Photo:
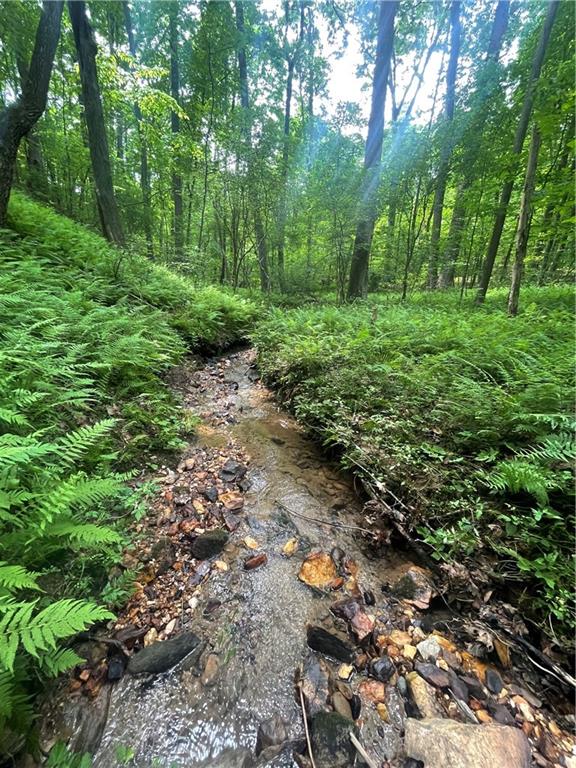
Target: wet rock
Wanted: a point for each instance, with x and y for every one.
(458, 687)
(210, 670)
(437, 677)
(199, 574)
(415, 587)
(331, 745)
(116, 668)
(362, 624)
(255, 561)
(315, 684)
(429, 649)
(231, 521)
(355, 706)
(345, 609)
(232, 470)
(318, 570)
(493, 681)
(162, 656)
(372, 690)
(211, 493)
(501, 714)
(369, 597)
(345, 671)
(474, 686)
(232, 501)
(338, 555)
(329, 644)
(342, 705)
(382, 669)
(423, 696)
(271, 732)
(448, 744)
(209, 544)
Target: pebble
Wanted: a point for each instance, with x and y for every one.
(210, 670)
(382, 710)
(433, 675)
(429, 649)
(341, 705)
(345, 671)
(250, 563)
(382, 669)
(493, 681)
(409, 652)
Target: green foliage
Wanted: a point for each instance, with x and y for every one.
(85, 335)
(464, 414)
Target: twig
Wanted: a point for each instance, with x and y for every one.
(308, 742)
(323, 522)
(363, 754)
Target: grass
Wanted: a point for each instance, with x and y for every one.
(465, 414)
(86, 334)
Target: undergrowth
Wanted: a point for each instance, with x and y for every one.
(86, 333)
(466, 415)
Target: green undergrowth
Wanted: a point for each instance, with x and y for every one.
(86, 333)
(464, 414)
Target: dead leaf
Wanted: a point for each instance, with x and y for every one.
(503, 652)
(318, 570)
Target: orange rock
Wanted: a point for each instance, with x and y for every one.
(372, 690)
(443, 642)
(472, 664)
(483, 716)
(318, 570)
(400, 638)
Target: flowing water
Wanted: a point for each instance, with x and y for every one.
(259, 631)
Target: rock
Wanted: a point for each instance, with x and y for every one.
(330, 736)
(164, 553)
(429, 649)
(369, 597)
(271, 732)
(211, 493)
(209, 544)
(231, 521)
(341, 705)
(458, 688)
(116, 668)
(439, 678)
(250, 563)
(319, 639)
(232, 470)
(315, 683)
(232, 500)
(290, 547)
(493, 681)
(448, 744)
(382, 669)
(415, 587)
(162, 656)
(423, 695)
(372, 690)
(409, 652)
(362, 624)
(475, 687)
(210, 670)
(345, 609)
(318, 570)
(345, 671)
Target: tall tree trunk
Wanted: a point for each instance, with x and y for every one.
(446, 152)
(521, 129)
(524, 217)
(17, 119)
(36, 179)
(486, 86)
(282, 208)
(178, 231)
(358, 280)
(259, 232)
(97, 138)
(143, 147)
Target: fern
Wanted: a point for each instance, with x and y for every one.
(14, 577)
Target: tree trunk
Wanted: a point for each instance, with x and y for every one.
(487, 83)
(18, 118)
(282, 208)
(178, 231)
(519, 137)
(446, 152)
(144, 170)
(259, 232)
(36, 179)
(97, 138)
(523, 229)
(358, 280)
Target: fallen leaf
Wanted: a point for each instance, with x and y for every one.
(318, 570)
(503, 652)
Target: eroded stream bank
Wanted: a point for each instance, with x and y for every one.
(254, 475)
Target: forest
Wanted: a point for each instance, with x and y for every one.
(377, 199)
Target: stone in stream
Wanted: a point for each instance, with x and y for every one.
(429, 649)
(458, 687)
(209, 544)
(433, 674)
(342, 705)
(319, 639)
(232, 470)
(330, 736)
(449, 744)
(162, 656)
(423, 696)
(415, 587)
(271, 733)
(382, 669)
(315, 684)
(493, 681)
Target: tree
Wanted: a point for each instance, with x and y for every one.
(18, 118)
(358, 281)
(177, 228)
(97, 137)
(524, 218)
(520, 135)
(446, 152)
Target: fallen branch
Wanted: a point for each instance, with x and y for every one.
(323, 522)
(362, 752)
(306, 731)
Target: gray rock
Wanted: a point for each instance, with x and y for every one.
(272, 732)
(429, 649)
(162, 656)
(448, 744)
(493, 681)
(416, 587)
(331, 745)
(382, 669)
(209, 544)
(342, 705)
(315, 681)
(232, 470)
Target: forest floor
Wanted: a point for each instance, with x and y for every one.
(259, 572)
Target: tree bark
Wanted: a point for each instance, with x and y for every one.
(17, 119)
(259, 231)
(520, 135)
(97, 138)
(524, 217)
(446, 152)
(178, 232)
(487, 83)
(143, 147)
(358, 280)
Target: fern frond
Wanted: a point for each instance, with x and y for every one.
(16, 577)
